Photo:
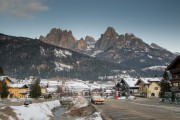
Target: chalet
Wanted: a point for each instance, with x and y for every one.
(174, 69)
(149, 87)
(18, 90)
(129, 87)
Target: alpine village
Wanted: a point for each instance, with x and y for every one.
(60, 77)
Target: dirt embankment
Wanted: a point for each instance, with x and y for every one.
(80, 108)
(82, 112)
(6, 112)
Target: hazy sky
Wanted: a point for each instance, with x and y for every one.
(154, 21)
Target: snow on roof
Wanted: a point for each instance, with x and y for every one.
(148, 80)
(50, 83)
(3, 77)
(76, 85)
(130, 81)
(18, 85)
(14, 80)
(51, 89)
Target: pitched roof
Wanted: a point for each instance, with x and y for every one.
(148, 80)
(18, 85)
(4, 77)
(173, 63)
(131, 82)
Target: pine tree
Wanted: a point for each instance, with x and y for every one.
(35, 90)
(164, 84)
(165, 76)
(5, 91)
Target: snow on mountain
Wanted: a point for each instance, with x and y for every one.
(42, 51)
(150, 56)
(155, 68)
(96, 52)
(60, 67)
(62, 53)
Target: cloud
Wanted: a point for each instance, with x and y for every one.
(22, 8)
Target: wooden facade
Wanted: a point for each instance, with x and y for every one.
(174, 69)
(18, 91)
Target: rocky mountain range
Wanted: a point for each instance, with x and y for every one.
(59, 53)
(22, 57)
(123, 49)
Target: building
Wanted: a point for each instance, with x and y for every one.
(18, 90)
(6, 80)
(174, 69)
(149, 87)
(129, 87)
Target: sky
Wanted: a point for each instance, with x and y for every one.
(154, 21)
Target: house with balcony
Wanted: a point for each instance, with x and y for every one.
(174, 69)
(18, 90)
(149, 87)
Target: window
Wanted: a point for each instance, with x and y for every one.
(155, 88)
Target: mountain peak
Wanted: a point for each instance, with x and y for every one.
(107, 39)
(129, 36)
(110, 32)
(81, 45)
(58, 37)
(56, 30)
(89, 39)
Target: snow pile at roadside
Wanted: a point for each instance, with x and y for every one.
(131, 98)
(95, 116)
(79, 102)
(36, 111)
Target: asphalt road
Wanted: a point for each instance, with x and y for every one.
(143, 109)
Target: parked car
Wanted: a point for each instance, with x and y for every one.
(97, 99)
(27, 102)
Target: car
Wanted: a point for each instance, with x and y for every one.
(27, 102)
(97, 99)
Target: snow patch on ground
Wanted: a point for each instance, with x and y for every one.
(95, 116)
(36, 111)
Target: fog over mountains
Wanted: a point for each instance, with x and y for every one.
(60, 54)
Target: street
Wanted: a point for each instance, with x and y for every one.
(140, 109)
